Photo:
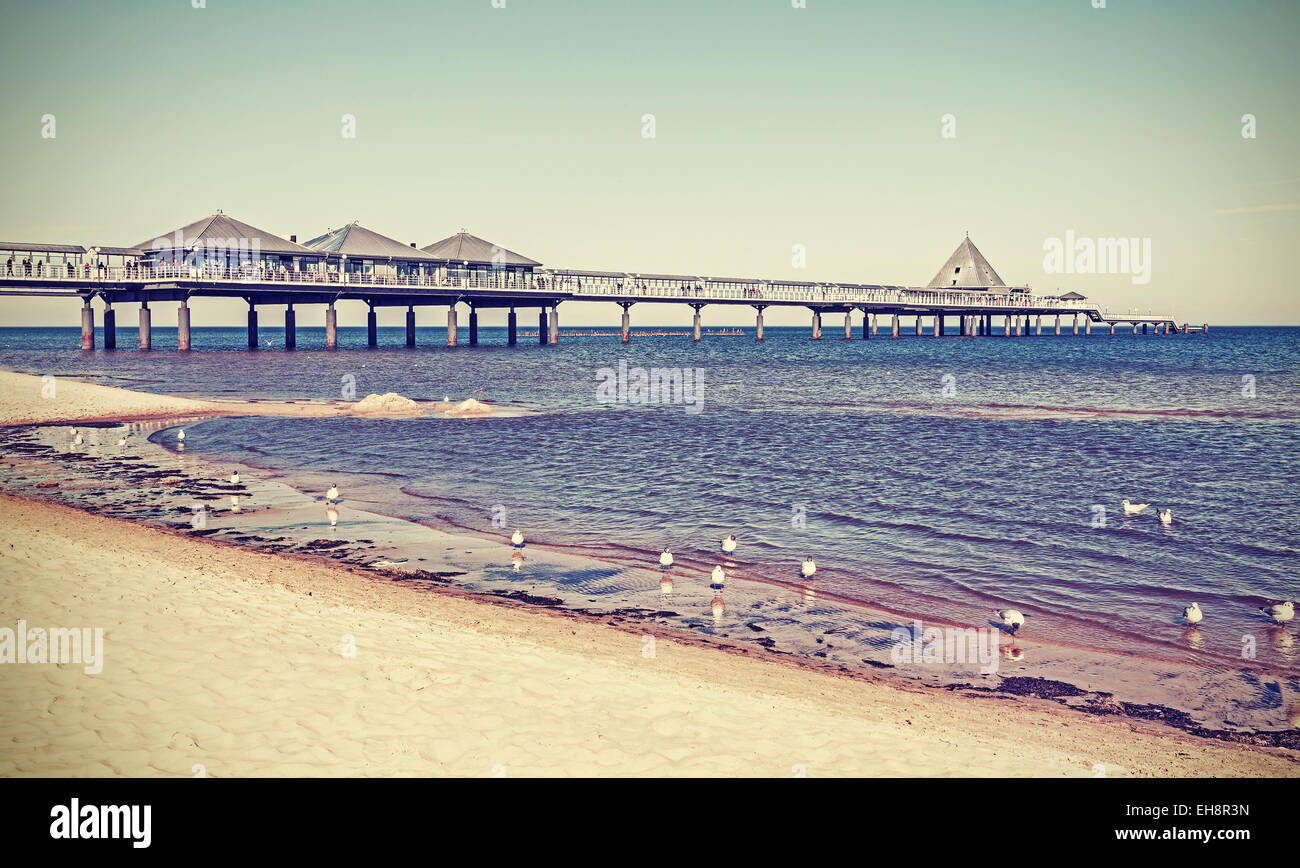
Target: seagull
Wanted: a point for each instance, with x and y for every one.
(1192, 614)
(808, 568)
(518, 539)
(729, 544)
(1280, 612)
(333, 494)
(719, 576)
(1012, 619)
(1167, 517)
(77, 441)
(72, 432)
(234, 478)
(121, 441)
(180, 435)
(666, 559)
(1133, 508)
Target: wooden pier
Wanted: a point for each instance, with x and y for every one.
(290, 276)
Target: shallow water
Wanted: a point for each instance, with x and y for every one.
(935, 479)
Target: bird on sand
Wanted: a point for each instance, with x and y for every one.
(1193, 614)
(1012, 619)
(1133, 508)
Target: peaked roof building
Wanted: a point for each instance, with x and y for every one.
(463, 247)
(356, 241)
(966, 269)
(219, 230)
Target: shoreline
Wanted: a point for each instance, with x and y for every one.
(1036, 692)
(739, 712)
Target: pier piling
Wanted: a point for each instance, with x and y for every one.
(875, 325)
(252, 326)
(410, 325)
(183, 326)
(894, 333)
(473, 326)
(555, 324)
(290, 328)
(697, 320)
(110, 328)
(146, 333)
(1076, 325)
(87, 326)
(627, 323)
(938, 325)
(512, 328)
(331, 327)
(372, 328)
(541, 327)
(453, 333)
(759, 321)
(848, 325)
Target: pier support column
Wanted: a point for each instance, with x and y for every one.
(1135, 329)
(110, 328)
(410, 326)
(1058, 325)
(87, 326)
(372, 328)
(146, 321)
(1076, 325)
(1038, 326)
(626, 335)
(453, 333)
(1087, 327)
(512, 328)
(252, 327)
(555, 325)
(331, 328)
(918, 325)
(1144, 328)
(938, 325)
(760, 323)
(1112, 330)
(696, 332)
(1006, 327)
(290, 328)
(541, 327)
(473, 326)
(893, 336)
(875, 324)
(183, 326)
(866, 325)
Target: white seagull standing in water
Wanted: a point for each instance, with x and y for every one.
(1192, 614)
(1012, 619)
(1133, 508)
(1167, 517)
(234, 478)
(180, 435)
(77, 441)
(729, 544)
(807, 568)
(719, 576)
(1280, 612)
(518, 539)
(121, 441)
(333, 494)
(666, 559)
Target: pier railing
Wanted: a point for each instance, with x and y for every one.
(77, 277)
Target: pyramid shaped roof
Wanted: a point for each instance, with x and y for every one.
(355, 240)
(463, 247)
(222, 229)
(966, 269)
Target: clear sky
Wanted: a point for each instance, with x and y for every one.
(775, 126)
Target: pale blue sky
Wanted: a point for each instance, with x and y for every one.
(775, 126)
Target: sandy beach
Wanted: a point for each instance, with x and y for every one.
(223, 661)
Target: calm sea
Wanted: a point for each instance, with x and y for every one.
(933, 478)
